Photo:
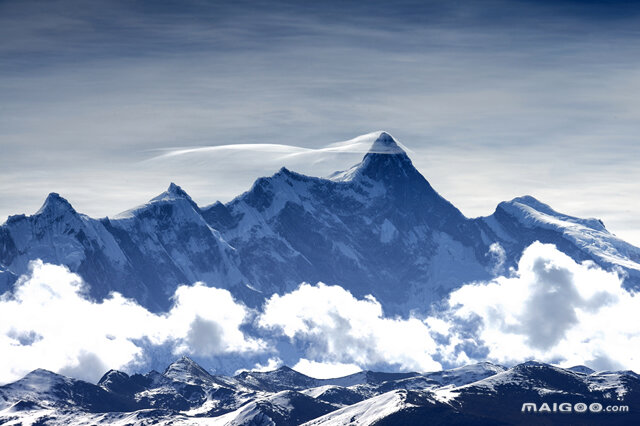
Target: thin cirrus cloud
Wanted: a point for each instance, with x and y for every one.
(480, 92)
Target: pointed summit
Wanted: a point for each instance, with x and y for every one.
(387, 161)
(175, 189)
(187, 370)
(112, 376)
(183, 363)
(385, 144)
(55, 205)
(386, 158)
(174, 192)
(174, 195)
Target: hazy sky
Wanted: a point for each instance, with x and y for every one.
(495, 99)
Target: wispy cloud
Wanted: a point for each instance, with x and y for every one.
(479, 91)
(359, 145)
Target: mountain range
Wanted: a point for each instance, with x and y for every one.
(377, 228)
(480, 394)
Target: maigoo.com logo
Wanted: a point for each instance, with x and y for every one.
(566, 407)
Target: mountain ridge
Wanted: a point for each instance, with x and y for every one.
(379, 223)
(481, 393)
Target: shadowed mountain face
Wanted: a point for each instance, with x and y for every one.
(378, 228)
(185, 393)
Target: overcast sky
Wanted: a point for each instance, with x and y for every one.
(495, 99)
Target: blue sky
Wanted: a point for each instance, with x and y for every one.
(496, 99)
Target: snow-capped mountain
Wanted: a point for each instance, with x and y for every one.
(378, 228)
(187, 394)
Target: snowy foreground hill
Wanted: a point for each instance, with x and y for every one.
(480, 394)
(378, 228)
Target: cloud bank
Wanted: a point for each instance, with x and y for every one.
(336, 327)
(49, 323)
(550, 308)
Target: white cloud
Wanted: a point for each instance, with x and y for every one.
(205, 321)
(359, 145)
(552, 309)
(498, 256)
(335, 327)
(48, 323)
(271, 364)
(325, 370)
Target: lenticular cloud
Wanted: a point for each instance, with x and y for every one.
(49, 323)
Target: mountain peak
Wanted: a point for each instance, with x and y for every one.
(174, 192)
(112, 375)
(56, 205)
(187, 370)
(385, 144)
(531, 201)
(175, 189)
(285, 368)
(174, 195)
(41, 372)
(386, 161)
(530, 210)
(183, 361)
(386, 158)
(583, 369)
